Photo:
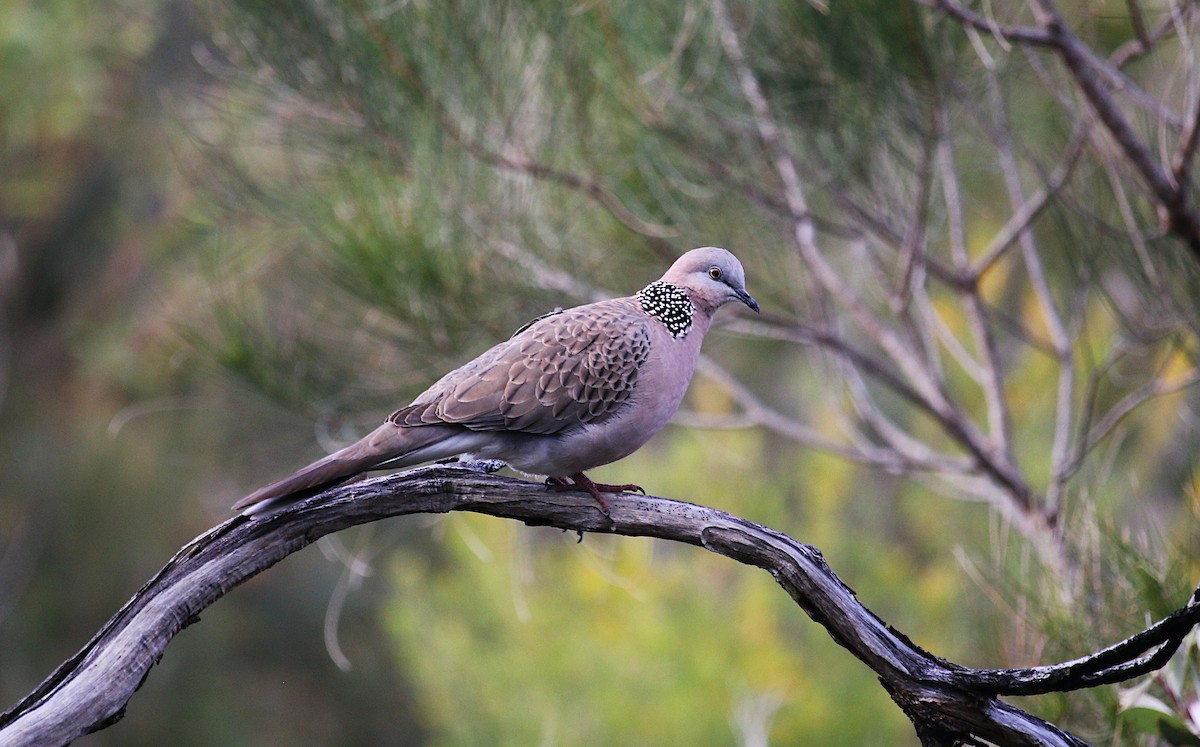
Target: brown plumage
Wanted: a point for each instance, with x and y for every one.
(566, 369)
(571, 391)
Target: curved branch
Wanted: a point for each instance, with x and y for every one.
(947, 703)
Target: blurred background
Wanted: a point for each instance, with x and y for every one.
(236, 235)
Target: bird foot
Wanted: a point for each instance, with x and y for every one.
(580, 481)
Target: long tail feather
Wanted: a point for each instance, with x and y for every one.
(322, 474)
(389, 443)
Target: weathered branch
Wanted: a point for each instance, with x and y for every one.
(947, 703)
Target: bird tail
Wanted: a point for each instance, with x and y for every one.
(390, 444)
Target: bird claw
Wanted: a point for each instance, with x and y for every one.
(580, 481)
(627, 488)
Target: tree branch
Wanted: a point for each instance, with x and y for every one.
(947, 703)
(1181, 217)
(1006, 33)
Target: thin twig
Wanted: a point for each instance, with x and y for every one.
(1056, 328)
(1021, 34)
(1138, 47)
(990, 374)
(1138, 21)
(1155, 387)
(1187, 152)
(584, 183)
(1023, 216)
(912, 252)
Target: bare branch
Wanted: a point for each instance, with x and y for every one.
(922, 379)
(913, 450)
(987, 371)
(1181, 216)
(1056, 328)
(1137, 47)
(912, 252)
(920, 375)
(1139, 654)
(585, 183)
(1023, 215)
(913, 456)
(947, 703)
(755, 412)
(1092, 434)
(1187, 152)
(1023, 34)
(953, 422)
(1035, 37)
(1138, 21)
(1133, 231)
(545, 275)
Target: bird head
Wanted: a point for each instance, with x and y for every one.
(712, 277)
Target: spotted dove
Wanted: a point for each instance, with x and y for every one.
(572, 390)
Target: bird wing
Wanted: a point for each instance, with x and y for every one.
(577, 366)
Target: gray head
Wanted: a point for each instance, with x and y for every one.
(712, 277)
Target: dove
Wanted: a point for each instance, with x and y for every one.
(570, 391)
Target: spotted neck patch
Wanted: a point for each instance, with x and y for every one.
(668, 304)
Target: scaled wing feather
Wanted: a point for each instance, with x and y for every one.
(574, 367)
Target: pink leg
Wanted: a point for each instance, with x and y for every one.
(580, 481)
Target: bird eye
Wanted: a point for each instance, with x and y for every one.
(714, 273)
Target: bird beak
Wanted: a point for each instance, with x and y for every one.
(745, 298)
